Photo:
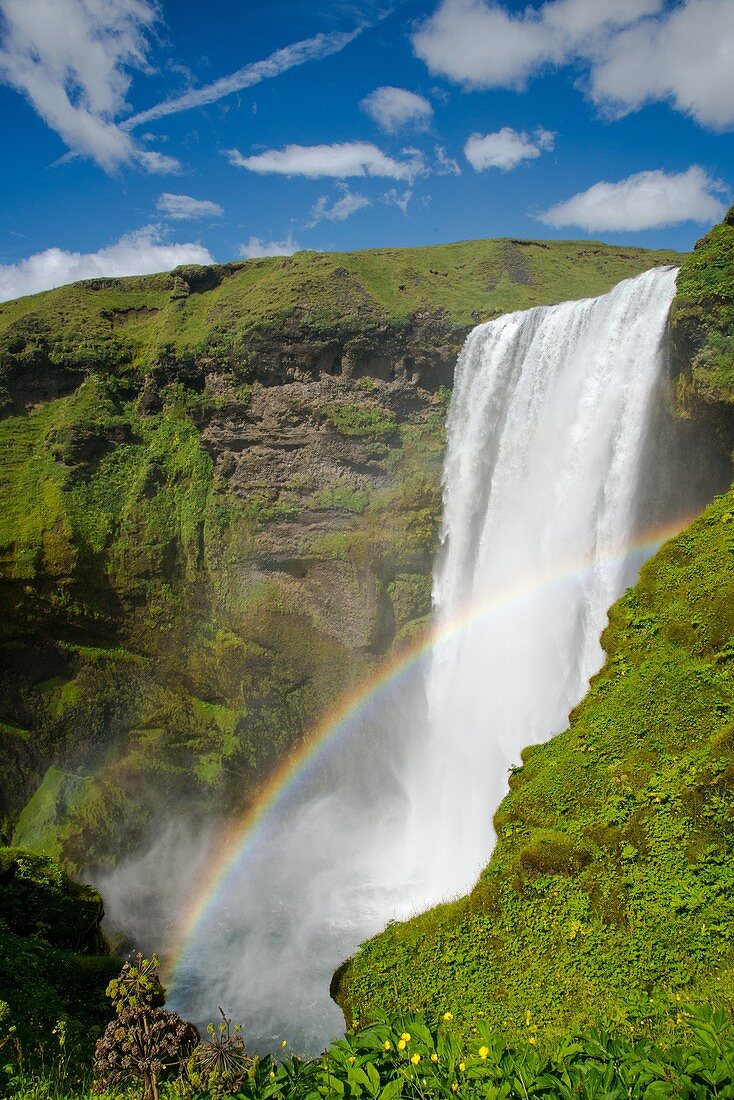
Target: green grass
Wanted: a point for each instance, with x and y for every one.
(122, 325)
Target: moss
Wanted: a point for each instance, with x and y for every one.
(361, 421)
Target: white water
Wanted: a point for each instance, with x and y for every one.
(546, 437)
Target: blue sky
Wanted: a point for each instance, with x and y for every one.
(140, 135)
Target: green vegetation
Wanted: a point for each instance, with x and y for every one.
(166, 321)
(391, 1058)
(54, 964)
(703, 317)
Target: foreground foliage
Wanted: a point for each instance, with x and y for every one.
(404, 1057)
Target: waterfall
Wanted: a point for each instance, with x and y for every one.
(548, 433)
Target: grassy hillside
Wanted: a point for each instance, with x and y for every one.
(610, 892)
(219, 499)
(105, 323)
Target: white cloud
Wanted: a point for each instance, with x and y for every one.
(394, 198)
(337, 210)
(71, 59)
(634, 51)
(340, 160)
(506, 148)
(257, 248)
(646, 200)
(687, 58)
(298, 53)
(445, 165)
(181, 207)
(140, 253)
(393, 108)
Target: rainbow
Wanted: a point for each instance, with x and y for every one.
(239, 838)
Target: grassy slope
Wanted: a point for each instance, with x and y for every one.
(115, 319)
(613, 874)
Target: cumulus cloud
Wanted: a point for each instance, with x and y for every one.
(182, 207)
(256, 248)
(634, 51)
(646, 200)
(394, 108)
(140, 253)
(72, 59)
(340, 160)
(337, 210)
(686, 58)
(506, 148)
(298, 53)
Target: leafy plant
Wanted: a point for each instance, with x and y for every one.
(144, 1041)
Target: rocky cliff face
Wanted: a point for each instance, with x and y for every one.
(219, 507)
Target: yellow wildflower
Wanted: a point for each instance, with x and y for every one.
(415, 1059)
(462, 1066)
(434, 1057)
(405, 1036)
(284, 1043)
(401, 1044)
(448, 1016)
(351, 1060)
(532, 1040)
(454, 1087)
(387, 1045)
(483, 1052)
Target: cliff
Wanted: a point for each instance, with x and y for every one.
(218, 507)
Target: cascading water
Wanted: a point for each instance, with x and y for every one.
(546, 437)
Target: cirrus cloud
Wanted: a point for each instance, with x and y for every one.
(646, 200)
(395, 108)
(142, 252)
(339, 161)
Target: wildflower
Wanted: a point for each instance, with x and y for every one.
(401, 1044)
(434, 1057)
(448, 1016)
(405, 1036)
(415, 1059)
(532, 1040)
(454, 1087)
(387, 1045)
(351, 1060)
(462, 1066)
(284, 1043)
(483, 1052)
